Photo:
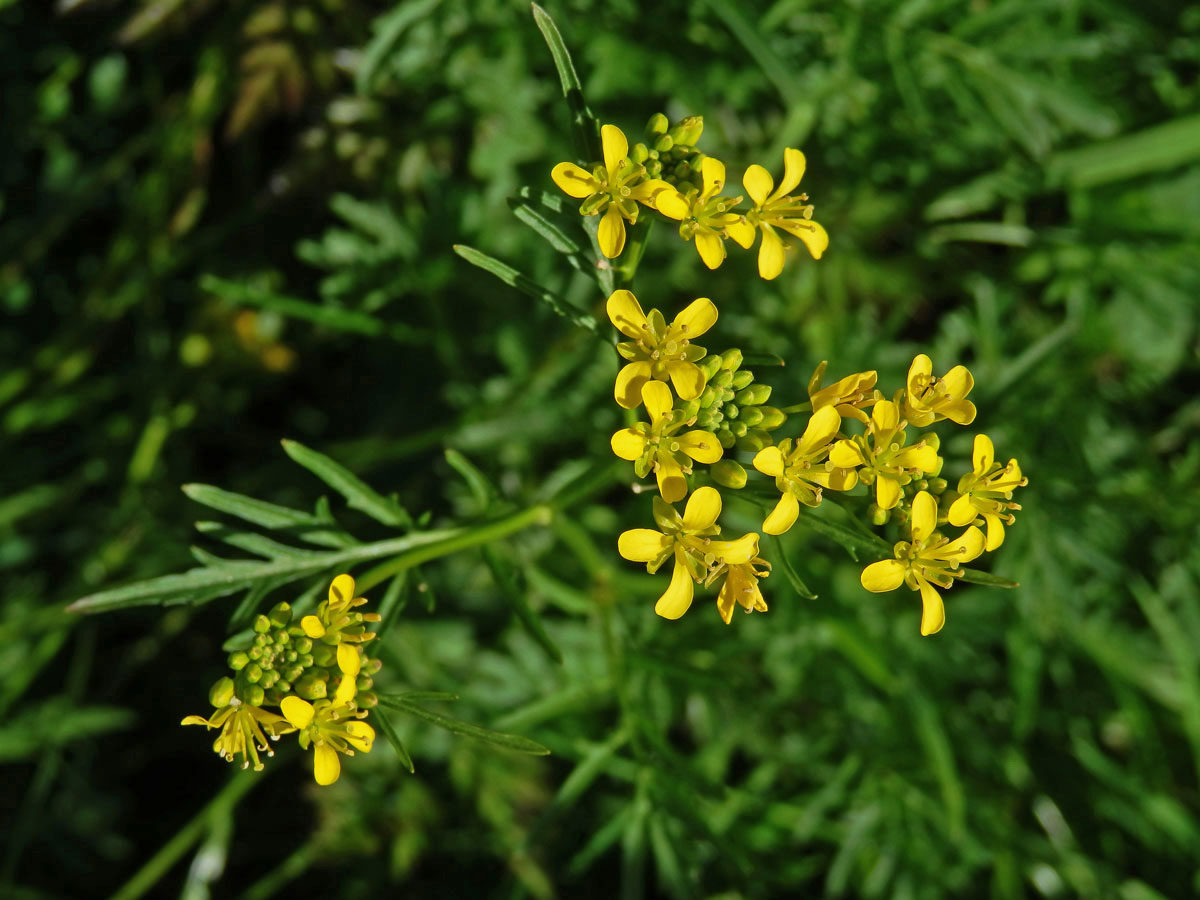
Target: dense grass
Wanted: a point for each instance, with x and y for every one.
(223, 224)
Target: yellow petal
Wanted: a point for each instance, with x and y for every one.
(616, 148)
(962, 512)
(611, 236)
(712, 174)
(574, 181)
(672, 485)
(958, 381)
(725, 602)
(678, 596)
(628, 444)
(924, 515)
(983, 454)
(742, 232)
(846, 455)
(347, 689)
(823, 425)
(964, 548)
(769, 461)
(793, 171)
(711, 248)
(672, 204)
(699, 316)
(312, 627)
(887, 493)
(645, 191)
(626, 313)
(326, 765)
(702, 446)
(360, 735)
(924, 458)
(921, 369)
(770, 254)
(811, 234)
(297, 711)
(995, 531)
(631, 378)
(885, 575)
(658, 399)
(836, 479)
(758, 184)
(783, 516)
(687, 378)
(348, 659)
(642, 544)
(342, 589)
(702, 509)
(196, 720)
(933, 613)
(960, 412)
(738, 552)
(885, 416)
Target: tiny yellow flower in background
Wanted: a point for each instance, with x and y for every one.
(655, 446)
(741, 587)
(881, 457)
(686, 539)
(244, 730)
(987, 491)
(929, 562)
(613, 188)
(703, 215)
(929, 399)
(659, 351)
(776, 209)
(802, 472)
(849, 395)
(336, 620)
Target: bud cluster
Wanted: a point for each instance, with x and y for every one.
(669, 151)
(733, 406)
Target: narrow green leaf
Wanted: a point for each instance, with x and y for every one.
(1165, 146)
(394, 599)
(358, 494)
(268, 515)
(976, 576)
(508, 741)
(389, 732)
(854, 542)
(780, 557)
(585, 129)
(388, 28)
(778, 72)
(427, 696)
(481, 487)
(512, 586)
(252, 542)
(554, 235)
(513, 278)
(758, 360)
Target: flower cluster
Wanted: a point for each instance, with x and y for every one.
(671, 176)
(318, 675)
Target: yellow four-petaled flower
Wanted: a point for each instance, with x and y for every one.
(987, 491)
(659, 351)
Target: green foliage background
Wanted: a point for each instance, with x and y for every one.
(223, 224)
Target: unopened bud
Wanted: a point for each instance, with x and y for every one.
(366, 701)
(710, 364)
(303, 645)
(725, 436)
(262, 624)
(753, 441)
(311, 687)
(657, 124)
(937, 486)
(741, 379)
(221, 692)
(324, 655)
(281, 615)
(253, 695)
(252, 673)
(238, 660)
(664, 143)
(878, 515)
(688, 130)
(752, 416)
(728, 473)
(754, 395)
(731, 359)
(772, 417)
(640, 153)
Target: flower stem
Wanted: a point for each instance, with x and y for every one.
(635, 246)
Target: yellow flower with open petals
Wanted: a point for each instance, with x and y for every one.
(244, 731)
(659, 351)
(925, 564)
(881, 457)
(704, 216)
(801, 472)
(332, 727)
(741, 587)
(849, 395)
(336, 619)
(929, 399)
(776, 209)
(987, 492)
(614, 188)
(688, 540)
(656, 446)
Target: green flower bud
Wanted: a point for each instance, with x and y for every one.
(254, 695)
(324, 655)
(640, 153)
(262, 624)
(754, 394)
(293, 673)
(664, 143)
(303, 644)
(725, 436)
(238, 660)
(281, 615)
(683, 171)
(366, 701)
(261, 640)
(283, 686)
(255, 653)
(282, 638)
(932, 440)
(741, 379)
(311, 687)
(291, 656)
(722, 378)
(305, 660)
(728, 473)
(252, 673)
(364, 683)
(937, 486)
(221, 692)
(372, 666)
(752, 416)
(753, 441)
(688, 130)
(772, 417)
(739, 429)
(878, 516)
(657, 124)
(269, 679)
(731, 359)
(653, 168)
(710, 364)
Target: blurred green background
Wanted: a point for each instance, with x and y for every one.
(223, 224)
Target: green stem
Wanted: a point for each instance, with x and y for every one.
(159, 864)
(635, 246)
(806, 406)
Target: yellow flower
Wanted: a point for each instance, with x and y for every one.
(614, 188)
(929, 399)
(655, 446)
(336, 620)
(332, 727)
(802, 472)
(741, 587)
(881, 457)
(705, 216)
(849, 395)
(929, 562)
(659, 351)
(244, 731)
(687, 540)
(987, 491)
(775, 209)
